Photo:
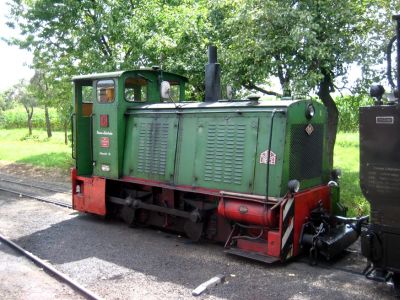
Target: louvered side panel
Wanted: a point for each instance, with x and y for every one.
(151, 153)
(153, 146)
(225, 153)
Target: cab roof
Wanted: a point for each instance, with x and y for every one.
(117, 74)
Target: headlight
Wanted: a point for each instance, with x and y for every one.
(294, 186)
(310, 111)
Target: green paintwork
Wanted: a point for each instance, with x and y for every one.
(90, 156)
(214, 145)
(218, 145)
(81, 134)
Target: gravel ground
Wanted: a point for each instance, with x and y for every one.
(118, 262)
(21, 279)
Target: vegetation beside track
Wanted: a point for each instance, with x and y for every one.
(347, 159)
(16, 118)
(18, 147)
(38, 150)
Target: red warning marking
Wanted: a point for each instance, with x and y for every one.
(105, 142)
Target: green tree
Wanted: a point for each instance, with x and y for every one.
(87, 36)
(62, 99)
(41, 89)
(21, 93)
(307, 45)
(5, 100)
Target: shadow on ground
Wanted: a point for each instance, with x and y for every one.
(169, 258)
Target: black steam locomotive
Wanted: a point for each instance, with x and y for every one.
(380, 178)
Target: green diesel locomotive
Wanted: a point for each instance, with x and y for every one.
(251, 174)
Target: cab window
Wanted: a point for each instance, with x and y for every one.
(175, 91)
(135, 89)
(105, 91)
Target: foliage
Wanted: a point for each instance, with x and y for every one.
(347, 159)
(308, 45)
(16, 118)
(72, 37)
(21, 93)
(348, 111)
(5, 100)
(41, 89)
(295, 41)
(373, 62)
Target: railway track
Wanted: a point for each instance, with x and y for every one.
(61, 277)
(20, 182)
(31, 194)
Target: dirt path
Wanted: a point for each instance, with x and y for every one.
(35, 172)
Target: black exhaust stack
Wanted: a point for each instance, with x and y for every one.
(212, 76)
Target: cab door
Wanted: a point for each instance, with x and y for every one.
(82, 128)
(104, 129)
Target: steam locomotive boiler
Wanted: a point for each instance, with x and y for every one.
(251, 174)
(380, 178)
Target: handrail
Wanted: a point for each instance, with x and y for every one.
(91, 137)
(73, 136)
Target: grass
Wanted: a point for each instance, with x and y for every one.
(17, 146)
(347, 159)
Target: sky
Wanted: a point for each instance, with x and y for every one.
(14, 62)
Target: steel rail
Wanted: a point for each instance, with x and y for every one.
(39, 198)
(35, 186)
(50, 269)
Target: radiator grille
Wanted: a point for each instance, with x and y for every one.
(153, 146)
(306, 152)
(225, 153)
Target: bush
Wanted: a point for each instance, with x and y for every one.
(348, 111)
(17, 118)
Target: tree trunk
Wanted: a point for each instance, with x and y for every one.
(333, 114)
(30, 123)
(47, 117)
(66, 132)
(29, 112)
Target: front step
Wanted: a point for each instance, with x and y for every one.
(252, 255)
(253, 249)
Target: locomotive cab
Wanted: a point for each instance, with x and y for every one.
(100, 101)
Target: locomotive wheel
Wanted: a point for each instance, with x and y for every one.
(193, 230)
(128, 215)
